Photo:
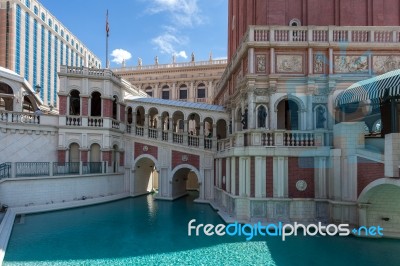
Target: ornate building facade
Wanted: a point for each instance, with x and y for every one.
(194, 81)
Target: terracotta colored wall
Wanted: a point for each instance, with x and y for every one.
(107, 108)
(107, 156)
(84, 156)
(151, 150)
(85, 106)
(301, 169)
(122, 113)
(122, 158)
(270, 177)
(62, 104)
(193, 160)
(367, 172)
(61, 156)
(252, 177)
(309, 12)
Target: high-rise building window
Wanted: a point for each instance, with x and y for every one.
(27, 28)
(55, 71)
(62, 53)
(62, 33)
(72, 57)
(43, 16)
(42, 45)
(35, 29)
(36, 10)
(67, 55)
(28, 3)
(49, 67)
(50, 23)
(149, 91)
(18, 41)
(56, 28)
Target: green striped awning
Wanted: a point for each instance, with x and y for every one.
(371, 89)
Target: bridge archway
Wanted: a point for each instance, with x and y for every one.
(186, 178)
(145, 177)
(378, 204)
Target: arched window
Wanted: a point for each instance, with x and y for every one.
(6, 97)
(95, 155)
(95, 104)
(201, 92)
(295, 22)
(183, 92)
(74, 153)
(74, 103)
(149, 91)
(129, 117)
(288, 115)
(165, 92)
(115, 107)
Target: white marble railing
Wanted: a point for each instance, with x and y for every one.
(310, 35)
(174, 65)
(274, 138)
(27, 118)
(90, 72)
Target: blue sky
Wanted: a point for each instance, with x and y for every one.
(146, 28)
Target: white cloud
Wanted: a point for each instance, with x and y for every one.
(184, 13)
(119, 55)
(182, 54)
(167, 41)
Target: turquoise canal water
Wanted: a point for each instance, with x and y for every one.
(141, 231)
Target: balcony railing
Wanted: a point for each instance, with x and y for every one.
(5, 170)
(165, 135)
(139, 131)
(177, 138)
(92, 168)
(193, 141)
(28, 169)
(95, 122)
(67, 168)
(74, 121)
(153, 133)
(275, 138)
(115, 123)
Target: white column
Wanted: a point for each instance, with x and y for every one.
(260, 177)
(219, 173)
(251, 111)
(310, 116)
(244, 176)
(228, 175)
(320, 178)
(272, 60)
(251, 61)
(280, 179)
(233, 175)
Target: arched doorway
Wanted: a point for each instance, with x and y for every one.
(288, 115)
(6, 97)
(381, 199)
(95, 104)
(221, 129)
(185, 180)
(95, 158)
(145, 177)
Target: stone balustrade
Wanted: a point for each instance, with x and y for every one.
(275, 138)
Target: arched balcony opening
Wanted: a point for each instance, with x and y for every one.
(165, 120)
(95, 104)
(115, 107)
(208, 127)
(194, 124)
(140, 119)
(221, 129)
(129, 117)
(27, 106)
(74, 103)
(178, 121)
(6, 97)
(153, 118)
(288, 115)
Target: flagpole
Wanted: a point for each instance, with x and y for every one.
(107, 29)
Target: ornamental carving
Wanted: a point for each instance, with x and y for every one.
(185, 158)
(289, 63)
(145, 148)
(301, 185)
(320, 99)
(260, 63)
(351, 64)
(319, 63)
(385, 63)
(261, 92)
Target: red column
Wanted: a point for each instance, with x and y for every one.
(122, 113)
(121, 158)
(107, 108)
(107, 156)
